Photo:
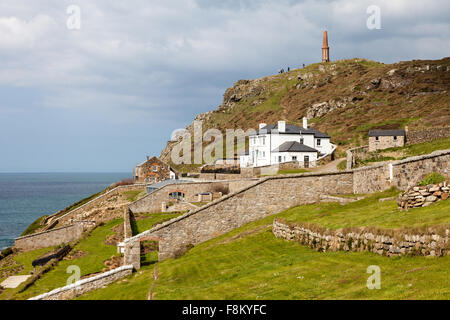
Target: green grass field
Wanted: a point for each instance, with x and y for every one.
(250, 263)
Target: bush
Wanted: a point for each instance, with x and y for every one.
(342, 165)
(432, 178)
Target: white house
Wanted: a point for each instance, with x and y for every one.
(273, 144)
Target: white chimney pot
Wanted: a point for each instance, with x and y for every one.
(305, 123)
(281, 126)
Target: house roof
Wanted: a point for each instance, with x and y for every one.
(292, 129)
(154, 158)
(375, 133)
(293, 146)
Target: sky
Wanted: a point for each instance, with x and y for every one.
(98, 86)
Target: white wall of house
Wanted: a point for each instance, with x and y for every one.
(293, 156)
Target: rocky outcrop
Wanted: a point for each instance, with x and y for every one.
(318, 110)
(423, 196)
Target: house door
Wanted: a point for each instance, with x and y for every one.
(306, 161)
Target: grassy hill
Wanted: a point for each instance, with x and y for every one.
(342, 98)
(250, 263)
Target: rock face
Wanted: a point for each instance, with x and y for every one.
(387, 243)
(423, 196)
(320, 109)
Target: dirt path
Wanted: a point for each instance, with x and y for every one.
(332, 166)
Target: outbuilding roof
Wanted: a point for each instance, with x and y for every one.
(294, 146)
(377, 133)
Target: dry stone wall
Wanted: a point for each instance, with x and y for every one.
(413, 137)
(388, 243)
(423, 196)
(50, 238)
(82, 286)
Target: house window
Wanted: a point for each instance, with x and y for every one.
(377, 138)
(264, 141)
(318, 142)
(395, 138)
(264, 154)
(155, 168)
(294, 158)
(279, 158)
(177, 195)
(302, 141)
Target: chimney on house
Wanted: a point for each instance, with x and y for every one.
(325, 48)
(262, 125)
(281, 126)
(406, 129)
(148, 157)
(305, 123)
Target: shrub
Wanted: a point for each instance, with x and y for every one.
(432, 178)
(342, 165)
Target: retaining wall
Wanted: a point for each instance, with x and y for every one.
(82, 286)
(50, 238)
(93, 204)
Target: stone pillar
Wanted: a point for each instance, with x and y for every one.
(163, 207)
(132, 254)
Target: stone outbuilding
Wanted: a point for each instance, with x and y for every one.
(154, 170)
(383, 139)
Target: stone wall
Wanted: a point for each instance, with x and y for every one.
(91, 207)
(384, 242)
(127, 229)
(355, 154)
(423, 196)
(49, 238)
(152, 202)
(402, 174)
(265, 197)
(413, 137)
(82, 286)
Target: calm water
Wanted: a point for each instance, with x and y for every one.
(24, 197)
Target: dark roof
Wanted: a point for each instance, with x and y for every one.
(293, 129)
(294, 146)
(375, 133)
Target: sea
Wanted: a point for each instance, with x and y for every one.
(24, 197)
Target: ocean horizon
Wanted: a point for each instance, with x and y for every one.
(24, 197)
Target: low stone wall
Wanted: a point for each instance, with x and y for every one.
(384, 242)
(355, 154)
(423, 196)
(82, 286)
(413, 137)
(50, 238)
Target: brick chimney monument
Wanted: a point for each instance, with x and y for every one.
(325, 48)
